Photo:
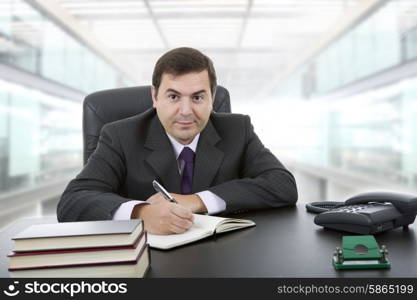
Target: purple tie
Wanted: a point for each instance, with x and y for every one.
(187, 174)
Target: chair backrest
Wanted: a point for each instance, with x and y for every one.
(107, 106)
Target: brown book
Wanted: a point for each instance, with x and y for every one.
(134, 268)
(51, 258)
(75, 235)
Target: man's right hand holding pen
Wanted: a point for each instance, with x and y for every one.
(162, 216)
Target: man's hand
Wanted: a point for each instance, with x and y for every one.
(163, 217)
(193, 202)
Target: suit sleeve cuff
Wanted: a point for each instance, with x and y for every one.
(213, 203)
(125, 210)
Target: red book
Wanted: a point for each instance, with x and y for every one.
(132, 268)
(81, 256)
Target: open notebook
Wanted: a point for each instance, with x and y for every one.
(204, 226)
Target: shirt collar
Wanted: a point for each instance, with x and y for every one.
(178, 146)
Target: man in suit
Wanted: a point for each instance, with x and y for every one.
(210, 162)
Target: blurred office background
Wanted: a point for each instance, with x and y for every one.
(331, 85)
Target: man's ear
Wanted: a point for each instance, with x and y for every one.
(154, 92)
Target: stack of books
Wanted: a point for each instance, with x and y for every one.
(81, 249)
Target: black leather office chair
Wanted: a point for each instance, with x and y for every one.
(107, 106)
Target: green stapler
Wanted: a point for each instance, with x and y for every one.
(360, 252)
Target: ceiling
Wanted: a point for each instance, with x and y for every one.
(249, 41)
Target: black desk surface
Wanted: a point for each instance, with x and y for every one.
(284, 243)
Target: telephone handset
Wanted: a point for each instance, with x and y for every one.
(366, 213)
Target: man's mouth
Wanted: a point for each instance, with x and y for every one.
(185, 123)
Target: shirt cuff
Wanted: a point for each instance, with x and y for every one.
(213, 203)
(125, 210)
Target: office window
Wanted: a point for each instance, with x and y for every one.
(368, 48)
(5, 17)
(61, 143)
(387, 38)
(4, 137)
(410, 44)
(408, 130)
(370, 132)
(347, 73)
(53, 53)
(34, 43)
(90, 66)
(26, 33)
(24, 139)
(362, 62)
(40, 139)
(72, 63)
(5, 29)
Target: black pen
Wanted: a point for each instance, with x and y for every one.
(160, 189)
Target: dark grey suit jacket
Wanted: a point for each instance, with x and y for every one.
(230, 161)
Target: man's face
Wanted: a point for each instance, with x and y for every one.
(183, 104)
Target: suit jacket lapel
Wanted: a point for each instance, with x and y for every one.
(208, 158)
(162, 159)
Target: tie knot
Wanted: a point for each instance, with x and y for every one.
(187, 155)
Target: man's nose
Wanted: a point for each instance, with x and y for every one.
(185, 107)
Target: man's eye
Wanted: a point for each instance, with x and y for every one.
(198, 98)
(173, 97)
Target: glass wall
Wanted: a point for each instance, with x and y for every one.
(40, 134)
(32, 42)
(371, 132)
(40, 139)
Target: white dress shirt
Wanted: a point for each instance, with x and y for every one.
(213, 203)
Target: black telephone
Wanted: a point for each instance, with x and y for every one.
(366, 213)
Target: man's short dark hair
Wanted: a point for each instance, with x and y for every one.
(180, 61)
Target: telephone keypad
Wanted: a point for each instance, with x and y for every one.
(352, 208)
